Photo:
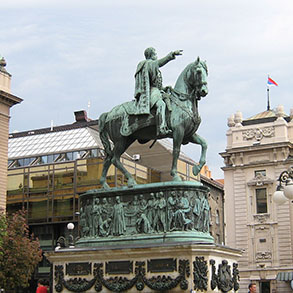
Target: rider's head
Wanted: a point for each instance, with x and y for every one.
(150, 53)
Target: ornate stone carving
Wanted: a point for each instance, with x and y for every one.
(200, 273)
(258, 133)
(116, 284)
(78, 284)
(261, 218)
(121, 284)
(225, 282)
(157, 283)
(59, 277)
(236, 277)
(263, 255)
(214, 277)
(260, 180)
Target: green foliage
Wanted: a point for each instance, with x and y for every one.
(19, 251)
(3, 227)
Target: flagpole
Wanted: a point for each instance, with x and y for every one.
(268, 93)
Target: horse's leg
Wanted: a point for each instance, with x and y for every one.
(178, 134)
(199, 140)
(106, 166)
(118, 150)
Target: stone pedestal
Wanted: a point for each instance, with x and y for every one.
(174, 267)
(148, 238)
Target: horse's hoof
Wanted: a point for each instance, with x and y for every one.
(131, 183)
(195, 170)
(177, 178)
(105, 186)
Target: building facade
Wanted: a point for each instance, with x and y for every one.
(7, 100)
(258, 150)
(216, 201)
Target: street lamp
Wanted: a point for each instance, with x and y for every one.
(285, 188)
(70, 227)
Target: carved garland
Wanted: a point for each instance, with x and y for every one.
(121, 284)
(258, 133)
(263, 255)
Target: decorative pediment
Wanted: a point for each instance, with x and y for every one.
(258, 133)
(261, 218)
(260, 180)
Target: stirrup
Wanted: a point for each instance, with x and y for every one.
(164, 131)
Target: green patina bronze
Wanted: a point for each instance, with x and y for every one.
(175, 211)
(156, 113)
(149, 213)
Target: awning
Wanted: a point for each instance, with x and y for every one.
(285, 276)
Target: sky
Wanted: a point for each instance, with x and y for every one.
(64, 55)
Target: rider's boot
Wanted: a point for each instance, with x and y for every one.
(166, 99)
(162, 128)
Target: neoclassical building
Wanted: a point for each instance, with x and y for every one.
(7, 100)
(258, 150)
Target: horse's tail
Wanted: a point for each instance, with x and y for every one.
(104, 134)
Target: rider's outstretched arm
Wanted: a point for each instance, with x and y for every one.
(169, 57)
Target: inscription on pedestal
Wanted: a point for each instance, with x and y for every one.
(119, 267)
(78, 269)
(162, 265)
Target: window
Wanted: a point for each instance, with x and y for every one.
(265, 287)
(261, 201)
(260, 172)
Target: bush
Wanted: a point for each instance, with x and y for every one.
(20, 252)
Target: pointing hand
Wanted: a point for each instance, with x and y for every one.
(178, 52)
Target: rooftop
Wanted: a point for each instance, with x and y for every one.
(37, 144)
(78, 137)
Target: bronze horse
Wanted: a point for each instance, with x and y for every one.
(183, 120)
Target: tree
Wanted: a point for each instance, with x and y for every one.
(20, 252)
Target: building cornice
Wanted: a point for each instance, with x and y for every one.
(254, 148)
(212, 182)
(261, 163)
(9, 99)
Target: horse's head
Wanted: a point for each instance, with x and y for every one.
(198, 78)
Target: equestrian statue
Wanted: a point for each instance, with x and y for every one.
(156, 113)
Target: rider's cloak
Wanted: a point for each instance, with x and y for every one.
(148, 76)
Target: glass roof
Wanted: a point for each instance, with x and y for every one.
(53, 142)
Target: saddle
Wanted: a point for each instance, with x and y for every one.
(132, 123)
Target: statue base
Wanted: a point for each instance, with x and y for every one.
(148, 238)
(155, 238)
(157, 213)
(167, 267)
